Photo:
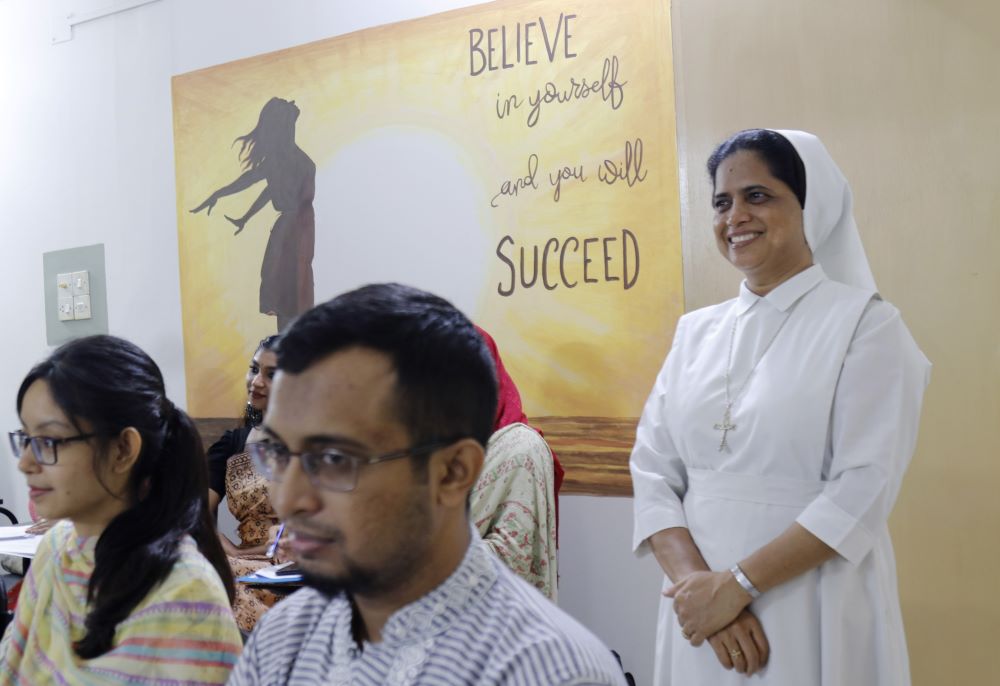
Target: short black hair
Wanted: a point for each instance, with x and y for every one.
(446, 384)
(777, 152)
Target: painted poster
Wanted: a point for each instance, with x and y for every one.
(516, 157)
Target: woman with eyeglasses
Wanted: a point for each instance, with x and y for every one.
(132, 586)
(231, 474)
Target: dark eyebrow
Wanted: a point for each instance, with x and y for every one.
(745, 189)
(324, 439)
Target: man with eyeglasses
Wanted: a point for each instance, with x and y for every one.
(382, 403)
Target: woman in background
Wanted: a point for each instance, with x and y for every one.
(132, 586)
(231, 474)
(514, 504)
(773, 446)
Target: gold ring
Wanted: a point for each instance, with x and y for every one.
(735, 652)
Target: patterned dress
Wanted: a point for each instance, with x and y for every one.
(181, 632)
(246, 492)
(513, 505)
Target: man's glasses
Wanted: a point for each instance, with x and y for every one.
(329, 469)
(44, 448)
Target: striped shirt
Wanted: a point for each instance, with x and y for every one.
(482, 626)
(182, 632)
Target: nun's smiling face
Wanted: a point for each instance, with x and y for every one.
(758, 222)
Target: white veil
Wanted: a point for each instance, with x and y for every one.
(828, 217)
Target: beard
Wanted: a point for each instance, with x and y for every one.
(356, 580)
(330, 588)
(408, 548)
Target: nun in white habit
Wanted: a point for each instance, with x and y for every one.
(772, 447)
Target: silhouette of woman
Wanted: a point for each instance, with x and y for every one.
(269, 154)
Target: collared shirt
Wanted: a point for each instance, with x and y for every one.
(785, 294)
(756, 323)
(483, 625)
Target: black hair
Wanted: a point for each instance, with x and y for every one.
(446, 384)
(112, 385)
(275, 130)
(251, 415)
(777, 152)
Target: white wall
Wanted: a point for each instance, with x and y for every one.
(603, 585)
(86, 156)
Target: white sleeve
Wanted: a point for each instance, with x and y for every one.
(659, 478)
(873, 432)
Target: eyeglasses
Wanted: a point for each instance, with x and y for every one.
(329, 469)
(42, 447)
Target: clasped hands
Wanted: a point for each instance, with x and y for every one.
(712, 606)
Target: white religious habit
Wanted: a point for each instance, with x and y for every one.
(825, 386)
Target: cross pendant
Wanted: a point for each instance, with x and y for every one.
(725, 427)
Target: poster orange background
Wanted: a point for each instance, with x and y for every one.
(412, 157)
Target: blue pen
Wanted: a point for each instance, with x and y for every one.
(273, 548)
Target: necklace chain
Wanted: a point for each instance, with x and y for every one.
(726, 425)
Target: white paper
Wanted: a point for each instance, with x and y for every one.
(272, 572)
(20, 547)
(14, 541)
(18, 531)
